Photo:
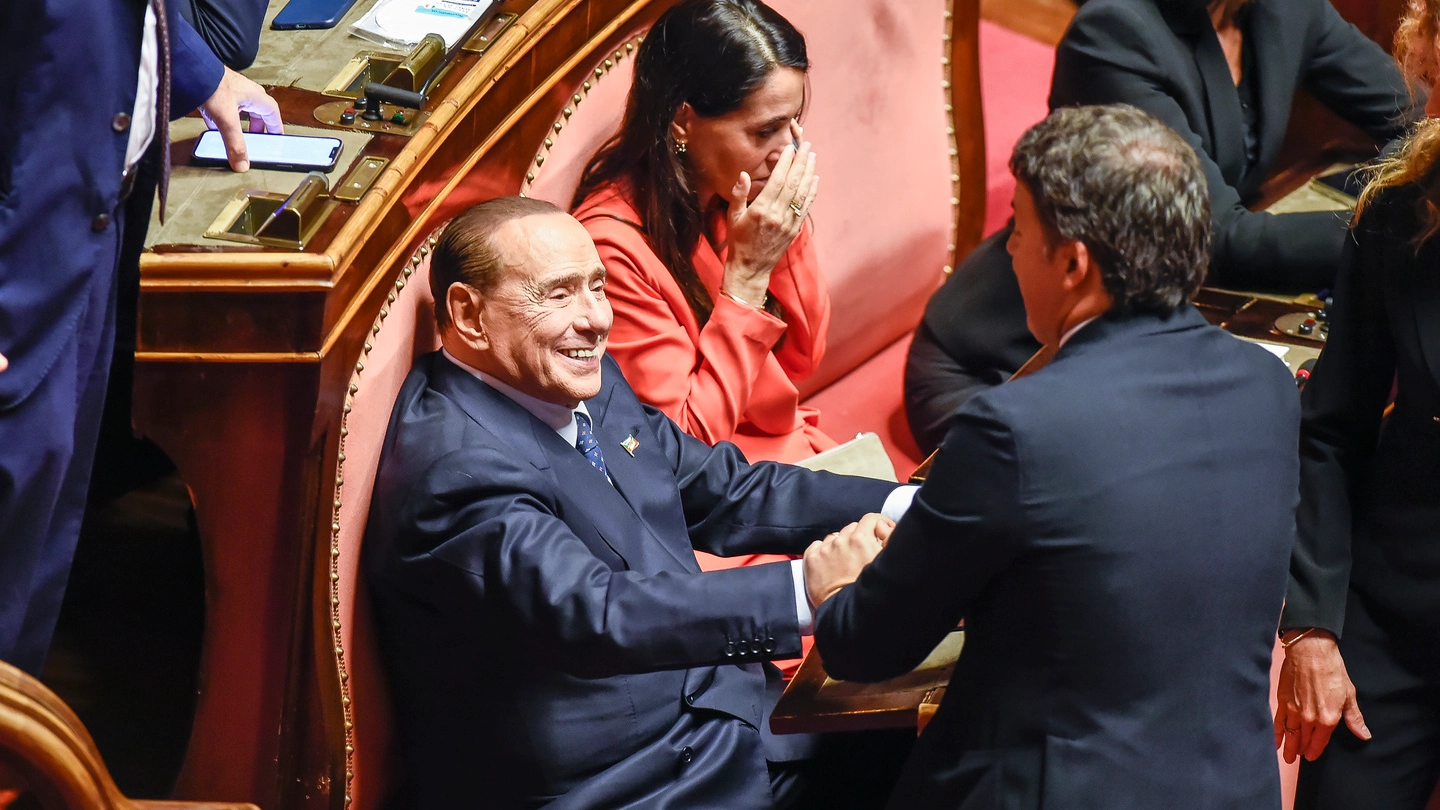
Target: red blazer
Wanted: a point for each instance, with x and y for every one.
(726, 381)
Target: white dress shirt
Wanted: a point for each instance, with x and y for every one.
(147, 96)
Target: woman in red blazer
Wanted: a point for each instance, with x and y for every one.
(698, 209)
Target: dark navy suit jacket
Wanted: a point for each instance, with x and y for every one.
(550, 635)
(1114, 530)
(71, 66)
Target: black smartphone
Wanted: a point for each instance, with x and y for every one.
(291, 153)
(304, 14)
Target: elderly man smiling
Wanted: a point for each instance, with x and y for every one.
(549, 637)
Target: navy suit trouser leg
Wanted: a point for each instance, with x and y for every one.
(47, 444)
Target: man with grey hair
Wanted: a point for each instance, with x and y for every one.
(1113, 529)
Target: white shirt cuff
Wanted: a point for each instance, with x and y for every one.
(898, 501)
(802, 601)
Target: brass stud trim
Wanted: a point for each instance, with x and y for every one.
(945, 84)
(565, 114)
(336, 625)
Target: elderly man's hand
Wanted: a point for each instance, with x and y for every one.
(836, 561)
(1314, 694)
(237, 94)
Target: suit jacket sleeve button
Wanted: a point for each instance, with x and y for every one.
(120, 122)
(687, 755)
(729, 649)
(690, 700)
(100, 223)
(769, 644)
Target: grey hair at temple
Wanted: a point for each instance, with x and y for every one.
(1132, 191)
(465, 252)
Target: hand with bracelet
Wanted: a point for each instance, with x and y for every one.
(1314, 694)
(762, 229)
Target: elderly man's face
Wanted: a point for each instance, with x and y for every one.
(547, 320)
(1039, 270)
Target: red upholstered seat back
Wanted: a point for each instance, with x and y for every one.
(876, 112)
(405, 329)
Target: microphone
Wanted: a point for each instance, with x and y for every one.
(1302, 374)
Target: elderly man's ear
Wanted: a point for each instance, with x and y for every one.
(464, 304)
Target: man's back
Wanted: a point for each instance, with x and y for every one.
(1115, 532)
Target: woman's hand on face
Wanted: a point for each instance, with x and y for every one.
(761, 231)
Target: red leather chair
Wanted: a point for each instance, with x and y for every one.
(404, 330)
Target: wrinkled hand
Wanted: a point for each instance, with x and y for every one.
(1313, 695)
(836, 561)
(761, 231)
(237, 94)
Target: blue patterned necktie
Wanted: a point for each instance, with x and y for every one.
(587, 444)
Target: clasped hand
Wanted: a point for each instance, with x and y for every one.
(836, 561)
(761, 231)
(1314, 694)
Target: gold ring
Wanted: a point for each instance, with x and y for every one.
(795, 206)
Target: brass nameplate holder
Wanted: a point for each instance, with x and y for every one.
(360, 179)
(489, 32)
(416, 71)
(412, 72)
(275, 220)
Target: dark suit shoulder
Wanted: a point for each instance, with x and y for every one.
(1117, 28)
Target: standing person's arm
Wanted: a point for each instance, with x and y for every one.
(1355, 78)
(1342, 408)
(200, 81)
(959, 532)
(230, 27)
(1113, 58)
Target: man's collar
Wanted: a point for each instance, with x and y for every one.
(1076, 328)
(558, 417)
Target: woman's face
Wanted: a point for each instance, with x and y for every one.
(749, 139)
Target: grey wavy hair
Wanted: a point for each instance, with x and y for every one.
(1131, 190)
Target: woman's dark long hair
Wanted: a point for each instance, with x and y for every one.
(712, 54)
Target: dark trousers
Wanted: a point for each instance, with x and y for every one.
(855, 770)
(47, 441)
(1396, 669)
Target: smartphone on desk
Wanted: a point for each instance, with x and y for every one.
(309, 14)
(291, 153)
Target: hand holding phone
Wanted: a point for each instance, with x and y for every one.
(295, 153)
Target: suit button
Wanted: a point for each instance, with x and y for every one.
(100, 223)
(729, 649)
(687, 755)
(690, 700)
(769, 644)
(120, 122)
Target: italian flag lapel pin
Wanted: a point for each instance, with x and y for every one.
(630, 444)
